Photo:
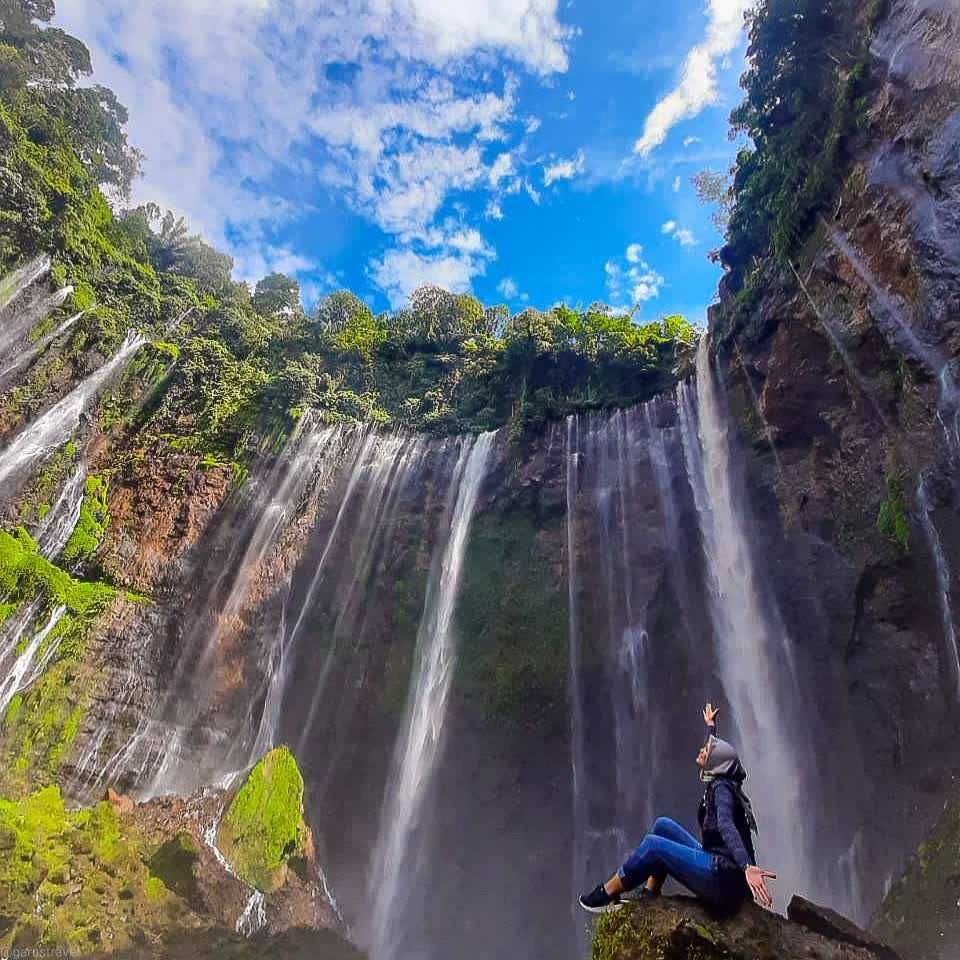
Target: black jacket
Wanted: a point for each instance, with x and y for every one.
(723, 824)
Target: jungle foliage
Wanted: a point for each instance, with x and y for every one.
(245, 363)
(804, 105)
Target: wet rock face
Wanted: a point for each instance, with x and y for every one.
(919, 915)
(844, 395)
(684, 929)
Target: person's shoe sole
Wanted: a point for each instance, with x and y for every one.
(615, 905)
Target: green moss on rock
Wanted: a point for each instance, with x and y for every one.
(92, 524)
(263, 827)
(173, 865)
(892, 518)
(40, 726)
(73, 879)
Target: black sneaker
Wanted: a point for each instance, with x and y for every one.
(599, 901)
(635, 896)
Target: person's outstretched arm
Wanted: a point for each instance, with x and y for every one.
(710, 713)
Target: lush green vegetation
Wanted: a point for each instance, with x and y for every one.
(36, 739)
(242, 364)
(892, 519)
(90, 528)
(263, 828)
(57, 870)
(804, 106)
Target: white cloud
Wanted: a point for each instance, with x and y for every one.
(634, 281)
(502, 167)
(697, 88)
(400, 271)
(494, 211)
(390, 104)
(571, 96)
(690, 141)
(676, 184)
(255, 263)
(564, 169)
(532, 125)
(682, 235)
(508, 287)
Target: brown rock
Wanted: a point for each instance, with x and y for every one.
(121, 803)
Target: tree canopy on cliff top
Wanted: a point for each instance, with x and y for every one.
(248, 360)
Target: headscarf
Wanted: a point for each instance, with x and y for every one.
(723, 761)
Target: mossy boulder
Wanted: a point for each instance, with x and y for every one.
(73, 880)
(919, 915)
(680, 928)
(263, 828)
(174, 865)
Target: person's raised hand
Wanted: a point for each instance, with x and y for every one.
(757, 882)
(710, 714)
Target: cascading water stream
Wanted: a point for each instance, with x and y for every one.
(394, 872)
(56, 528)
(14, 284)
(21, 323)
(23, 672)
(888, 311)
(944, 579)
(58, 423)
(24, 357)
(392, 462)
(575, 693)
(753, 649)
(254, 915)
(285, 484)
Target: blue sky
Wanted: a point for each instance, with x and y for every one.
(528, 150)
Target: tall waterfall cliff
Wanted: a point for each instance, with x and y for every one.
(484, 633)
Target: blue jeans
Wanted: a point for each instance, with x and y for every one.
(670, 851)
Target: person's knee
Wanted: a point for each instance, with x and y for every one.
(662, 826)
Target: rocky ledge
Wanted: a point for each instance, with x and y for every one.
(220, 873)
(679, 928)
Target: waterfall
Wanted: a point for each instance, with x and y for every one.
(753, 650)
(14, 284)
(23, 672)
(574, 692)
(254, 916)
(58, 423)
(394, 872)
(56, 528)
(385, 466)
(24, 357)
(21, 322)
(944, 580)
(283, 487)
